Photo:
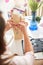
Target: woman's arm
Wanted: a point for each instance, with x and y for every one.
(28, 44)
(23, 27)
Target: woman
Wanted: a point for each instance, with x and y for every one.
(9, 59)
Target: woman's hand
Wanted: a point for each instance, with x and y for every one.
(8, 25)
(21, 25)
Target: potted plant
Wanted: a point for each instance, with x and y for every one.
(38, 18)
(34, 5)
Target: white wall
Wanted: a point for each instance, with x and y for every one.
(6, 7)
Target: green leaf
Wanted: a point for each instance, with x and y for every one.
(34, 5)
(40, 4)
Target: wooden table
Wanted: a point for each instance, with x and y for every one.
(38, 58)
(38, 62)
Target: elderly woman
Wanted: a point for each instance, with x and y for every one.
(9, 59)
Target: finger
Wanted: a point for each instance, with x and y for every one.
(20, 26)
(8, 25)
(25, 23)
(15, 27)
(12, 23)
(22, 19)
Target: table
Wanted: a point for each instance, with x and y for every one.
(38, 58)
(38, 62)
(38, 55)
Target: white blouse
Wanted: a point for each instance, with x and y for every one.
(27, 59)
